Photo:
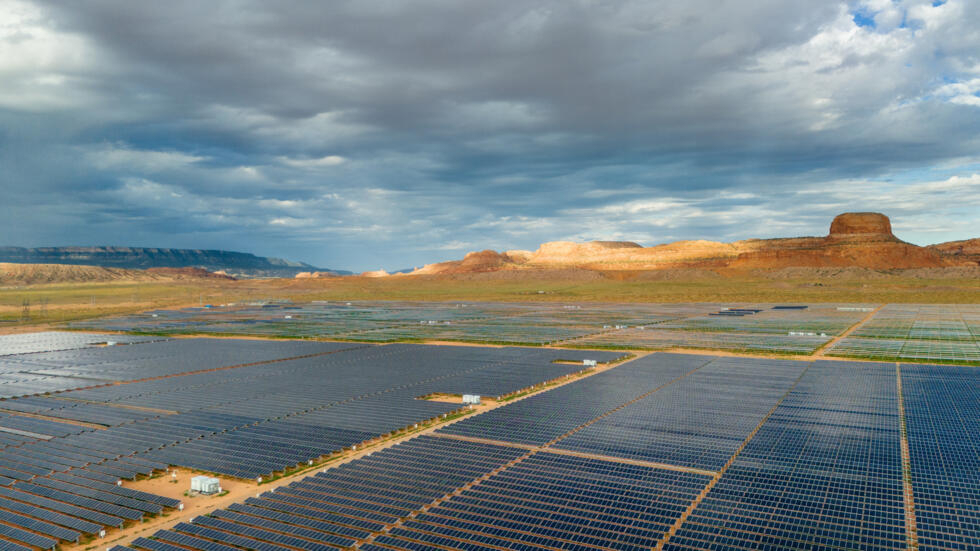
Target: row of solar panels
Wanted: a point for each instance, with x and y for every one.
(257, 451)
(71, 410)
(53, 492)
(64, 506)
(42, 427)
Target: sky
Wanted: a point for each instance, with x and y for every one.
(371, 134)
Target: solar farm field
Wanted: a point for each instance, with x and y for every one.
(776, 329)
(667, 451)
(917, 333)
(246, 409)
(913, 333)
(48, 341)
(347, 438)
(249, 408)
(487, 323)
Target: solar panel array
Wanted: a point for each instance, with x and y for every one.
(948, 333)
(781, 329)
(544, 417)
(243, 408)
(699, 421)
(927, 333)
(165, 358)
(346, 504)
(508, 331)
(563, 502)
(71, 410)
(727, 453)
(942, 414)
(923, 333)
(825, 470)
(55, 493)
(60, 368)
(269, 413)
(468, 494)
(654, 338)
(323, 414)
(776, 320)
(673, 450)
(47, 341)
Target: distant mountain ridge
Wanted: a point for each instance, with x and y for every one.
(34, 274)
(856, 239)
(233, 263)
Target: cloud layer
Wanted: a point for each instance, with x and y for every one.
(370, 134)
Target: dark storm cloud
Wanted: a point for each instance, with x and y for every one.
(367, 133)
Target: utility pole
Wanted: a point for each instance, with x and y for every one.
(26, 312)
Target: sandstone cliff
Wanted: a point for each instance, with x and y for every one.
(967, 251)
(859, 239)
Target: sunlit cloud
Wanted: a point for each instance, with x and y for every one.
(378, 134)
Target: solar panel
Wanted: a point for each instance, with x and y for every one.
(263, 535)
(60, 506)
(80, 525)
(35, 525)
(225, 538)
(297, 526)
(29, 538)
(107, 497)
(154, 545)
(81, 501)
(11, 546)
